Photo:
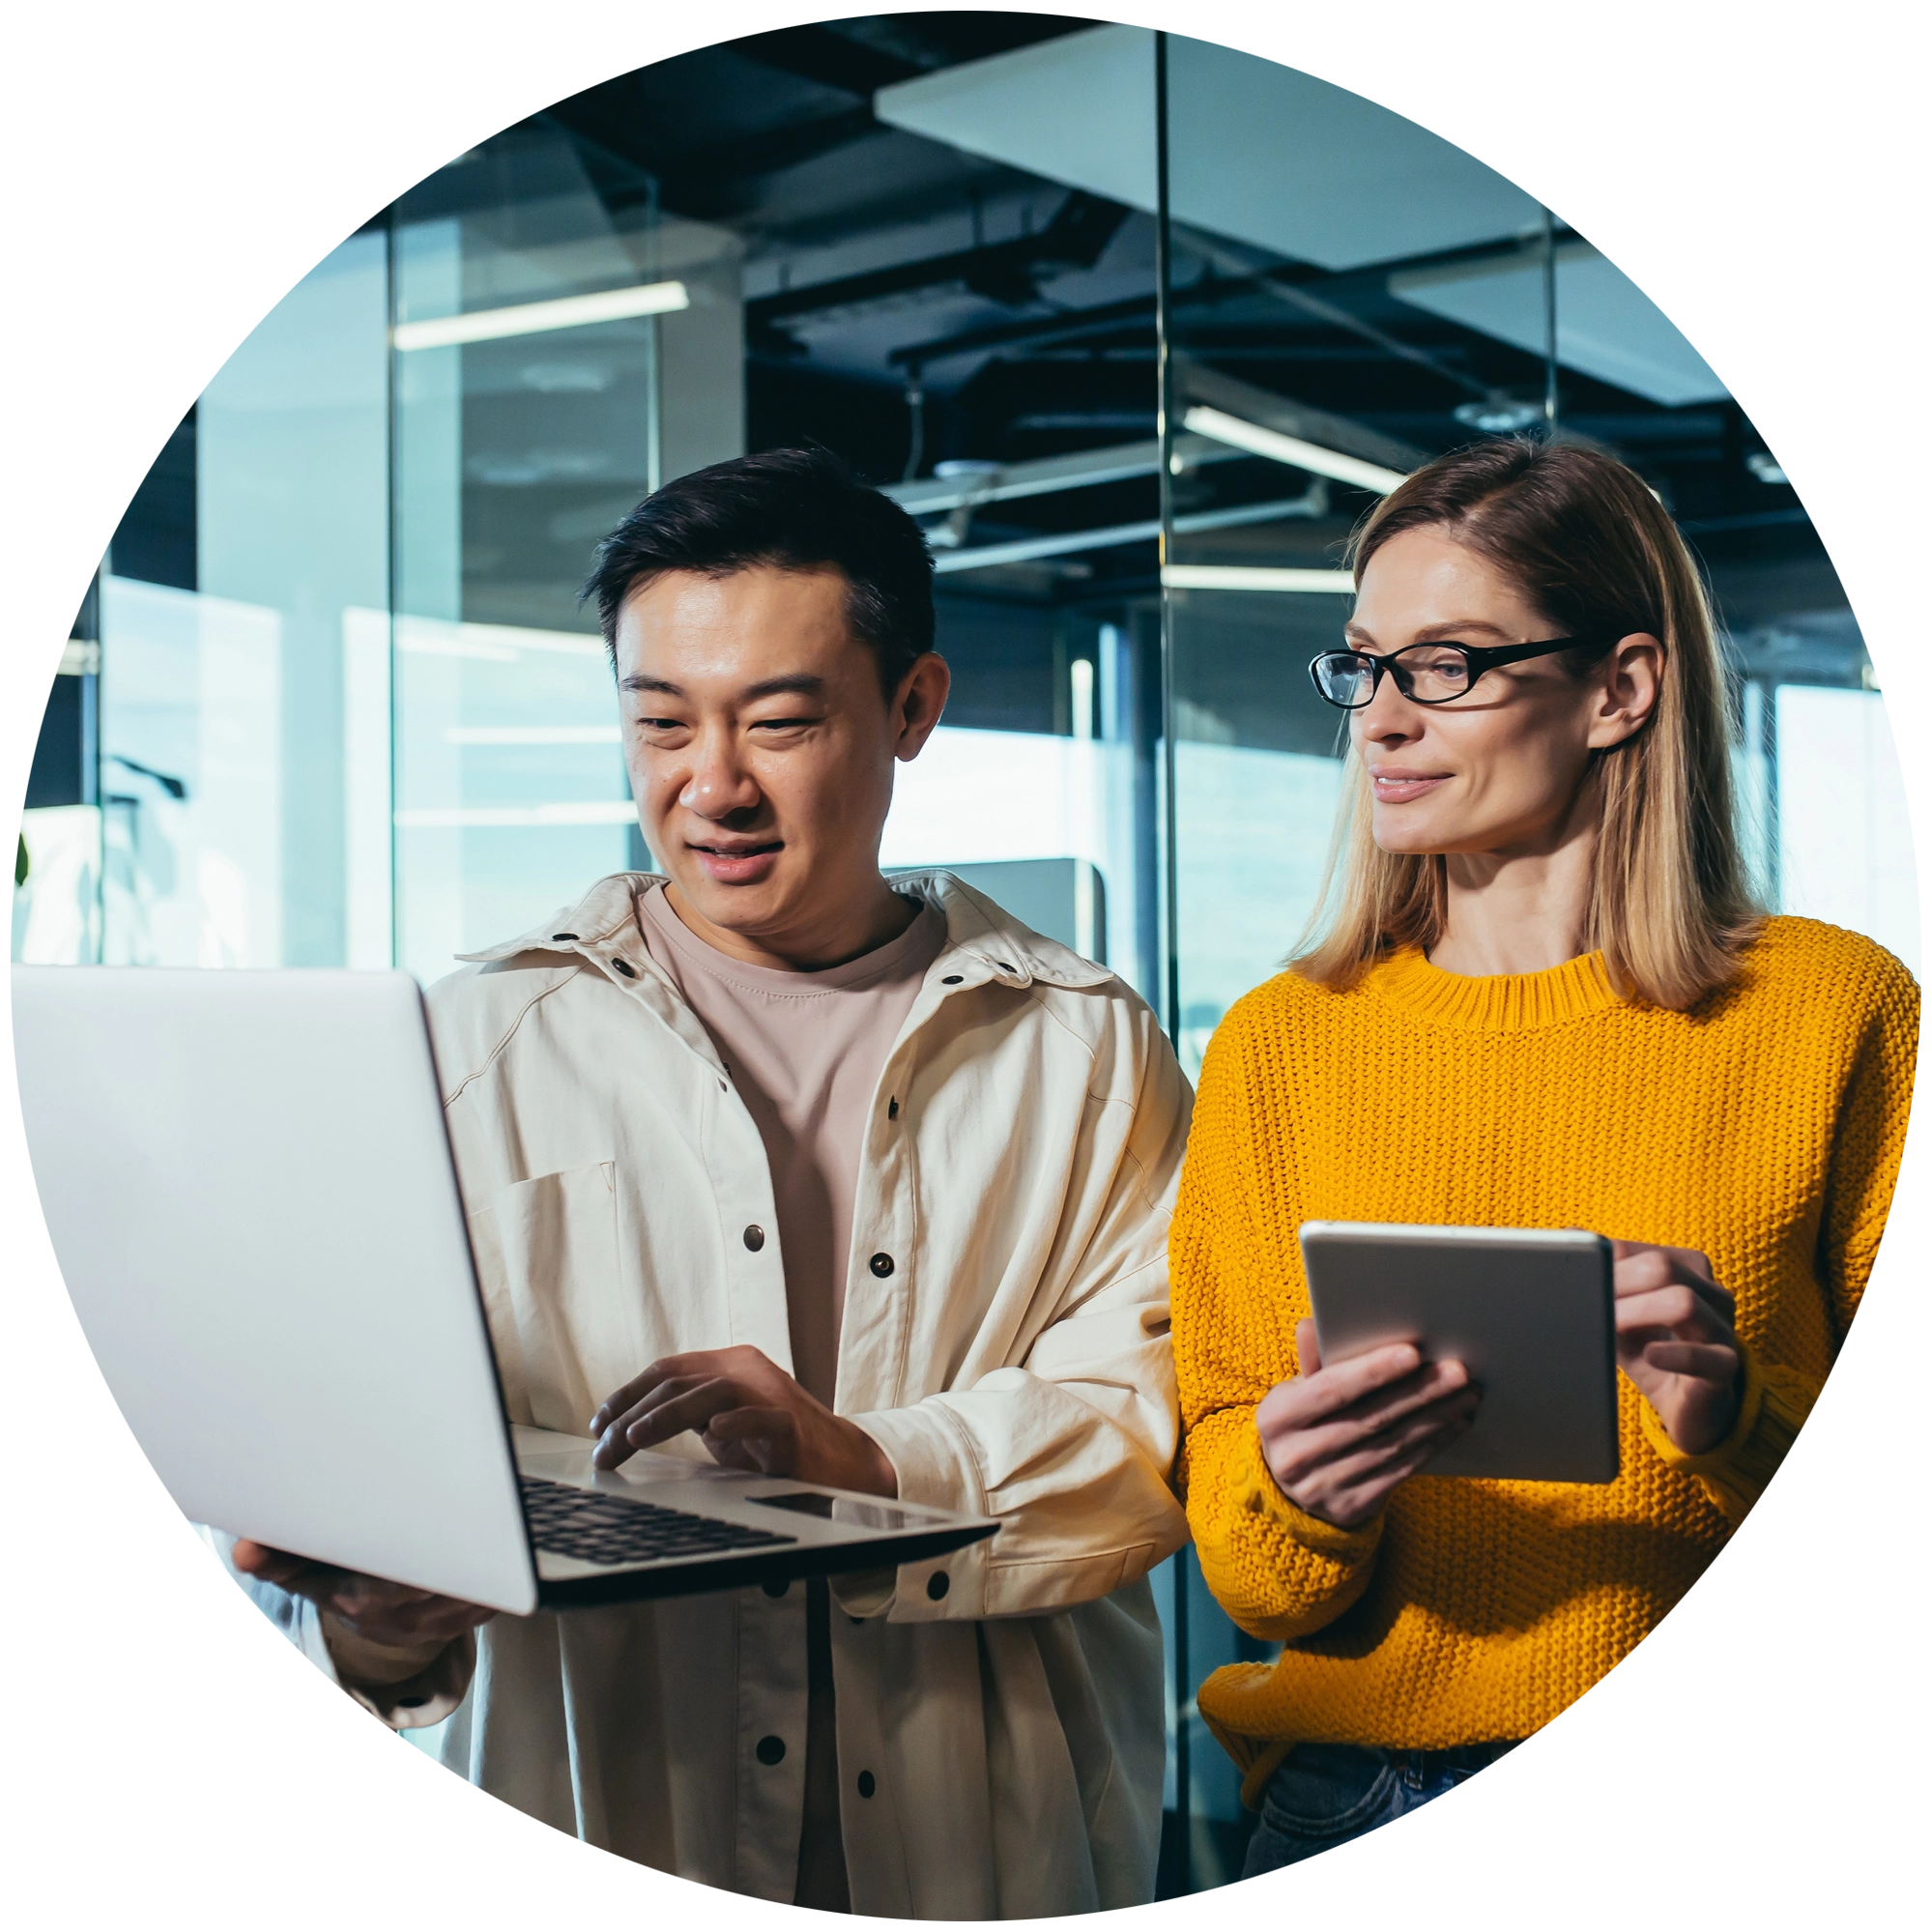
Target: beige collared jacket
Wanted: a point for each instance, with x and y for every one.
(1000, 1745)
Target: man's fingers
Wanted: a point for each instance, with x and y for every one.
(704, 1365)
(739, 1424)
(658, 1420)
(634, 1393)
(766, 1438)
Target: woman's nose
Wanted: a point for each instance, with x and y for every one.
(1387, 717)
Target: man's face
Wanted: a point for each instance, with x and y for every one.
(759, 745)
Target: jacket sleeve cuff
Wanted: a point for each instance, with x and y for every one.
(936, 1470)
(407, 1686)
(1256, 1493)
(1772, 1408)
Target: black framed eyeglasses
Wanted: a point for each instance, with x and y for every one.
(1427, 673)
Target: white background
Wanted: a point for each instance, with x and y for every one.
(171, 172)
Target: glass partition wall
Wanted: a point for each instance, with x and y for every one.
(1136, 327)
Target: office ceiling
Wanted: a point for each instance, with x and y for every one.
(953, 208)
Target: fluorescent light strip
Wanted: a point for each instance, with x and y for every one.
(540, 318)
(1242, 577)
(1026, 550)
(478, 818)
(1291, 449)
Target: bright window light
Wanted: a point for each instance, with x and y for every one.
(1241, 434)
(540, 318)
(484, 818)
(1242, 577)
(467, 735)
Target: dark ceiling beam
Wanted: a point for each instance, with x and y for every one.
(1032, 331)
(1002, 272)
(828, 59)
(690, 181)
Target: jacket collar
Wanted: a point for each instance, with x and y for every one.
(983, 942)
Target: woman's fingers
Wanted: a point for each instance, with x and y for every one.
(1335, 1398)
(1343, 1454)
(1676, 1308)
(1308, 1348)
(1642, 1269)
(1313, 1398)
(1348, 1491)
(1702, 1361)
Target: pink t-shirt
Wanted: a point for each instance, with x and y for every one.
(806, 1051)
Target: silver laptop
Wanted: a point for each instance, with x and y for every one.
(248, 1183)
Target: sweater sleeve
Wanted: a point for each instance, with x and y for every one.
(1871, 1140)
(1867, 1151)
(1278, 1571)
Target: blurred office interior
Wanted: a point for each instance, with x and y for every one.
(331, 701)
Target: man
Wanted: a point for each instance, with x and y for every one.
(778, 1162)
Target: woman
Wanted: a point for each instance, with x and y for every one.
(1544, 997)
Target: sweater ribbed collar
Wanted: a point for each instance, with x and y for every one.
(1495, 1003)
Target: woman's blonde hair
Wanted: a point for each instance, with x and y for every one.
(1596, 554)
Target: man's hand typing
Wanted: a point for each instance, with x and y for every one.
(749, 1414)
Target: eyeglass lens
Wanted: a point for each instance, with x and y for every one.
(1428, 673)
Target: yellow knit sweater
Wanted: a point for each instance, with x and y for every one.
(1765, 1127)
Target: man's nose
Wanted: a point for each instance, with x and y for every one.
(717, 783)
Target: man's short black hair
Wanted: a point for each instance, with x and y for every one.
(795, 509)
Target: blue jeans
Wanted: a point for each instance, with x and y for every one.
(1323, 1795)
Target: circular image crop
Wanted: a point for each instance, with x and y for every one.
(1107, 944)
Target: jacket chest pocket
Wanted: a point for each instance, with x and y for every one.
(562, 1292)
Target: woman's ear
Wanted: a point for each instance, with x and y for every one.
(1628, 682)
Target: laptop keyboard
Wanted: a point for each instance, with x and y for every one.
(597, 1527)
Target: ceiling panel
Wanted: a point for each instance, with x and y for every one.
(1259, 152)
(1606, 326)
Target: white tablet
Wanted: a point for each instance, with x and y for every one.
(1528, 1309)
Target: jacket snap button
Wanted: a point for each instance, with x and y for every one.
(771, 1749)
(954, 979)
(867, 1785)
(776, 1587)
(937, 1584)
(562, 935)
(754, 1237)
(881, 1265)
(625, 967)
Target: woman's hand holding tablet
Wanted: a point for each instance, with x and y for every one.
(1420, 1319)
(1338, 1441)
(1676, 1341)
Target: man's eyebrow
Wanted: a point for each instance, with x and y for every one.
(799, 684)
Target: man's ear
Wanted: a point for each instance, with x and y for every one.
(917, 708)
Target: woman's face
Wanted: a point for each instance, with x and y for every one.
(1501, 769)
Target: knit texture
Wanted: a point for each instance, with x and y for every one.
(1764, 1128)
